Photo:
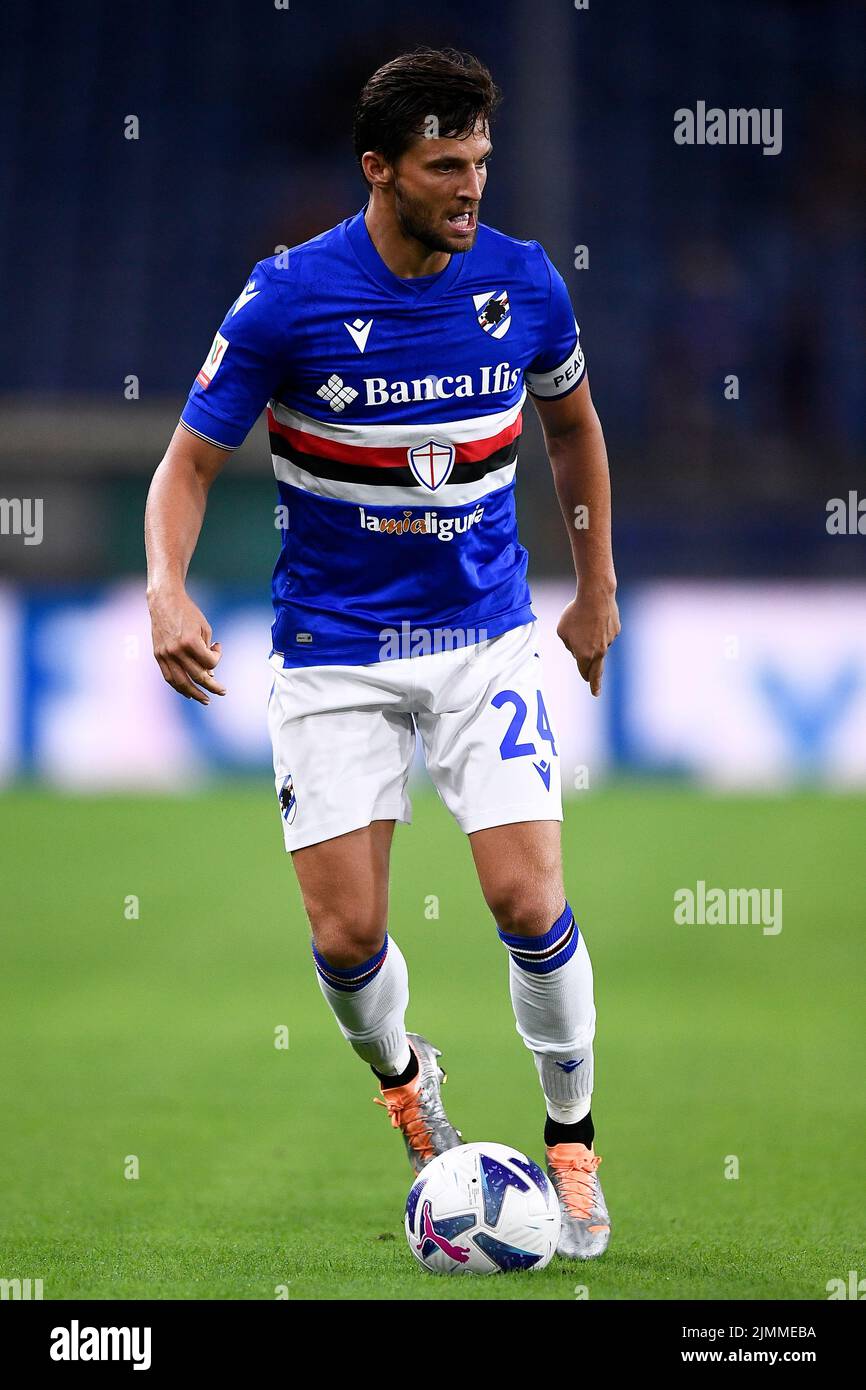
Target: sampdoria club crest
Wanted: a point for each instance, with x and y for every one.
(494, 312)
(288, 800)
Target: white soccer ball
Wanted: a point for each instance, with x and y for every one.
(482, 1209)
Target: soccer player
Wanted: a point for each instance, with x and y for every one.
(394, 353)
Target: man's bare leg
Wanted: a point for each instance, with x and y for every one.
(344, 884)
(520, 872)
(363, 977)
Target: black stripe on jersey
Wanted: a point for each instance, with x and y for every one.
(389, 477)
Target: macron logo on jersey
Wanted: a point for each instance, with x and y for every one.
(248, 292)
(359, 331)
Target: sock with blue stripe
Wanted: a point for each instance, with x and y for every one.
(550, 978)
(369, 1002)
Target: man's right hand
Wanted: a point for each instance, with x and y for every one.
(182, 645)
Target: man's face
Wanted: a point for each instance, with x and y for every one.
(438, 185)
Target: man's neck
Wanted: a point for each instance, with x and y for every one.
(403, 255)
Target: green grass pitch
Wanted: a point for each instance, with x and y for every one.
(262, 1167)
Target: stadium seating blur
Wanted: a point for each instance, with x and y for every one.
(120, 256)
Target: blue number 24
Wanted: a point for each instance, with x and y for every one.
(510, 747)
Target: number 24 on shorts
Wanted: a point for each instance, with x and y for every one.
(511, 747)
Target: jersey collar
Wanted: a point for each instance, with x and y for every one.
(427, 287)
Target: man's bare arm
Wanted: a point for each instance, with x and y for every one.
(175, 510)
(578, 458)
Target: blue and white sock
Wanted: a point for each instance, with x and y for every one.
(550, 978)
(369, 1002)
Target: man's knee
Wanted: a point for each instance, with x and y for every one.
(525, 906)
(346, 938)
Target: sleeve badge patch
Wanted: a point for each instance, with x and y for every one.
(211, 364)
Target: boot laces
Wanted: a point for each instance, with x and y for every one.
(575, 1179)
(407, 1115)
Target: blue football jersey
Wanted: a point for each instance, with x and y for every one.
(394, 412)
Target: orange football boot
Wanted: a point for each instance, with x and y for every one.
(417, 1108)
(572, 1168)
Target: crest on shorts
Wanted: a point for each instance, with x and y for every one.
(431, 463)
(493, 311)
(288, 800)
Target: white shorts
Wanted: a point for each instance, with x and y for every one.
(344, 739)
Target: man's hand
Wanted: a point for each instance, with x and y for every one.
(578, 459)
(175, 510)
(587, 627)
(182, 644)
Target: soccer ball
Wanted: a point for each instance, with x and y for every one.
(482, 1209)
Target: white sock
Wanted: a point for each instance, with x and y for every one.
(369, 1002)
(551, 991)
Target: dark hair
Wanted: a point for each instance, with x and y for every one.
(397, 100)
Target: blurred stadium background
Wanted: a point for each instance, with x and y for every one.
(742, 657)
(741, 668)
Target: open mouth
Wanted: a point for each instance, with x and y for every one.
(462, 222)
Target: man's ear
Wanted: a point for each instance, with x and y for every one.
(376, 170)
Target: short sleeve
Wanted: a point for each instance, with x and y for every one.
(559, 365)
(244, 366)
